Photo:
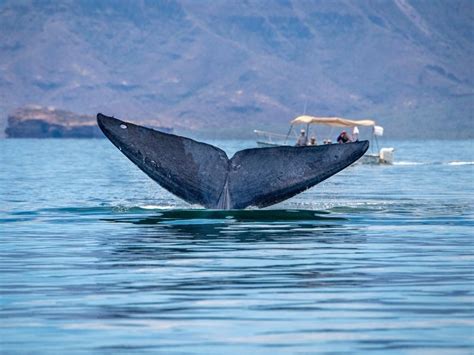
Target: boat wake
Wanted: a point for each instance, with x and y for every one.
(408, 163)
(452, 163)
(461, 163)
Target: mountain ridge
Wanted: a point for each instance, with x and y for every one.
(225, 69)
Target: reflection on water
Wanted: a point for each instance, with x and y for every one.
(203, 281)
(376, 258)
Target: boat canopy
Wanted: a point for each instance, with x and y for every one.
(331, 121)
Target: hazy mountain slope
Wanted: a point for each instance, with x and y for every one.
(226, 67)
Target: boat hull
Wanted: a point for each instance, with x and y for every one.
(267, 145)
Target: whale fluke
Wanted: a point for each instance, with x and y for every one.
(200, 173)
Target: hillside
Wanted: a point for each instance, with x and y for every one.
(225, 69)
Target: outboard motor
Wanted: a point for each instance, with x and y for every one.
(386, 155)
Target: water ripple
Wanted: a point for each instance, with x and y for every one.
(374, 259)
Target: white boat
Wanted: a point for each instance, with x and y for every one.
(373, 156)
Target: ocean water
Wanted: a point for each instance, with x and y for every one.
(97, 258)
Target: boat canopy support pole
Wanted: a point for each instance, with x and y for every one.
(307, 134)
(374, 138)
(377, 143)
(288, 134)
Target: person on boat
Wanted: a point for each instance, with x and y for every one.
(301, 139)
(343, 138)
(355, 134)
(327, 141)
(312, 141)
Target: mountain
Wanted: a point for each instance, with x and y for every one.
(222, 68)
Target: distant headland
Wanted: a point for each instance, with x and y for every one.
(49, 122)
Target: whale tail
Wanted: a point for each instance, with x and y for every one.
(200, 173)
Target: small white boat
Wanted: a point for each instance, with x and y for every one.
(373, 156)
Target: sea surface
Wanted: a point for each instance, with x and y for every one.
(97, 258)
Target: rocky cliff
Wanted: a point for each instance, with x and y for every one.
(39, 122)
(49, 122)
(231, 66)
